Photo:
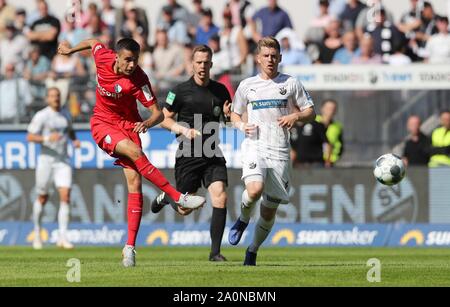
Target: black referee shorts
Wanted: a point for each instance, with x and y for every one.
(191, 172)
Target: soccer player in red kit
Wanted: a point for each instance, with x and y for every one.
(116, 124)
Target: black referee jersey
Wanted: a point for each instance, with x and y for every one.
(200, 107)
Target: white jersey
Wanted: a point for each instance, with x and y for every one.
(48, 121)
(265, 101)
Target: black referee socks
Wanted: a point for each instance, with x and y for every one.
(218, 221)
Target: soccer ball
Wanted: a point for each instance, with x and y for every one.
(389, 169)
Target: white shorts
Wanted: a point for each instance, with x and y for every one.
(275, 174)
(50, 169)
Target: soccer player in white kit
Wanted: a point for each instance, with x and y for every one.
(52, 128)
(274, 103)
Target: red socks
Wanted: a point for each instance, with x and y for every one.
(135, 203)
(152, 174)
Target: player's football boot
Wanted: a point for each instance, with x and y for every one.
(129, 256)
(191, 201)
(250, 258)
(63, 243)
(217, 258)
(159, 202)
(37, 242)
(236, 232)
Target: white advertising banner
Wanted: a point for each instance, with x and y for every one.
(372, 77)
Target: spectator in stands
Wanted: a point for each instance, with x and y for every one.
(350, 14)
(176, 29)
(108, 15)
(233, 45)
(272, 18)
(7, 14)
(421, 35)
(44, 31)
(336, 7)
(14, 48)
(334, 129)
(349, 51)
(20, 21)
(15, 96)
(307, 145)
(121, 16)
(242, 12)
(131, 25)
(37, 69)
(180, 13)
(385, 35)
(292, 55)
(324, 18)
(399, 58)
(441, 139)
(366, 17)
(194, 17)
(411, 21)
(168, 59)
(417, 147)
(206, 28)
(367, 55)
(438, 46)
(145, 57)
(96, 27)
(71, 33)
(332, 43)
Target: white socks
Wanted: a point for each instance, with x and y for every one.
(262, 230)
(247, 206)
(63, 219)
(37, 216)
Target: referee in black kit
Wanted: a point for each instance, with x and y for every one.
(199, 104)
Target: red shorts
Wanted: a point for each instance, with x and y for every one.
(108, 135)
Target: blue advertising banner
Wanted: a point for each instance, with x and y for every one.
(159, 144)
(420, 235)
(177, 234)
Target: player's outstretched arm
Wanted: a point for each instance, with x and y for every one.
(170, 124)
(64, 47)
(155, 119)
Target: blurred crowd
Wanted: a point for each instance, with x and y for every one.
(343, 32)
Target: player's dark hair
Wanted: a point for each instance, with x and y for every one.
(128, 44)
(202, 48)
(269, 42)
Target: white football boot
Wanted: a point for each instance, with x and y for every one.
(37, 242)
(129, 256)
(191, 201)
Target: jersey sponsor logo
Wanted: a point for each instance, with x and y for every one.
(117, 88)
(283, 91)
(147, 92)
(269, 104)
(170, 98)
(104, 92)
(97, 48)
(252, 165)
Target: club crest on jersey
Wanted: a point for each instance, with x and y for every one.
(283, 91)
(117, 88)
(217, 110)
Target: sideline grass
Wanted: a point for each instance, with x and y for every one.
(172, 267)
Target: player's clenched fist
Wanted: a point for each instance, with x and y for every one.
(64, 48)
(140, 127)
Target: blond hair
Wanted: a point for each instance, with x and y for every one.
(268, 42)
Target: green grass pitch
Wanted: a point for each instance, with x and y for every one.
(170, 266)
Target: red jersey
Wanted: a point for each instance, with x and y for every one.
(116, 95)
